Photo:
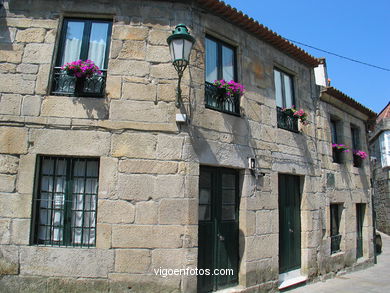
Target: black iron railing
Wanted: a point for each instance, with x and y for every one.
(287, 121)
(64, 84)
(217, 99)
(335, 243)
(357, 161)
(336, 154)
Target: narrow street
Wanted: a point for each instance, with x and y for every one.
(373, 279)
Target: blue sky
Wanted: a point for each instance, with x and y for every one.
(358, 29)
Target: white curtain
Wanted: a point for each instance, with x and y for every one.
(71, 51)
(384, 146)
(96, 53)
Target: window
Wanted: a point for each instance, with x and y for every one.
(384, 148)
(284, 94)
(335, 152)
(82, 39)
(335, 236)
(220, 64)
(355, 135)
(65, 201)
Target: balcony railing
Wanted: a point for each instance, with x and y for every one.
(335, 243)
(357, 161)
(286, 121)
(64, 84)
(217, 99)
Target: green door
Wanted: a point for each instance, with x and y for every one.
(289, 223)
(360, 209)
(218, 229)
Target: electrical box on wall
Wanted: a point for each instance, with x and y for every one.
(252, 164)
(181, 118)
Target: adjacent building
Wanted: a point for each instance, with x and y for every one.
(380, 150)
(103, 187)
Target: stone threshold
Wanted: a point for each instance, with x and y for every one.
(291, 278)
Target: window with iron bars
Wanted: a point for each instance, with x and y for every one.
(335, 218)
(65, 201)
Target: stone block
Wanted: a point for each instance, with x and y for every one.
(147, 236)
(169, 147)
(16, 84)
(114, 87)
(166, 92)
(20, 231)
(178, 211)
(10, 104)
(267, 221)
(128, 67)
(158, 54)
(7, 183)
(170, 186)
(65, 285)
(134, 145)
(27, 68)
(136, 187)
(158, 37)
(9, 260)
(42, 79)
(5, 231)
(103, 236)
(108, 176)
(115, 48)
(133, 50)
(31, 35)
(49, 261)
(147, 167)
(75, 142)
(38, 53)
(50, 37)
(163, 71)
(26, 173)
(8, 164)
(57, 106)
(139, 91)
(254, 247)
(132, 260)
(140, 111)
(168, 259)
(13, 140)
(125, 32)
(15, 206)
(7, 68)
(115, 212)
(146, 212)
(45, 23)
(11, 55)
(31, 105)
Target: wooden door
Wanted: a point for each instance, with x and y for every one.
(218, 228)
(289, 223)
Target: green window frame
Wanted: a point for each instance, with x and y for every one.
(83, 39)
(65, 201)
(335, 219)
(336, 153)
(220, 63)
(355, 136)
(285, 98)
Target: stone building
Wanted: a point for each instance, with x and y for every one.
(101, 189)
(380, 150)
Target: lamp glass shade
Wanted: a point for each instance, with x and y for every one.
(180, 49)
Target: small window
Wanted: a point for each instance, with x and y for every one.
(82, 39)
(336, 153)
(355, 135)
(335, 218)
(220, 64)
(65, 201)
(284, 94)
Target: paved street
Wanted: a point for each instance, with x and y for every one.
(373, 279)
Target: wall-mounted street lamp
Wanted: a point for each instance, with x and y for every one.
(180, 45)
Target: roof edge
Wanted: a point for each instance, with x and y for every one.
(252, 26)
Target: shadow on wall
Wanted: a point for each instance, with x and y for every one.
(95, 108)
(7, 35)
